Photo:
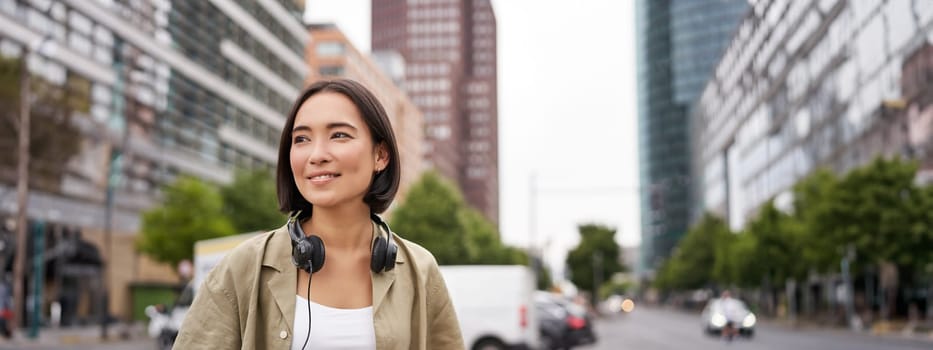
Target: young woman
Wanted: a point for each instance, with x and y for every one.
(369, 289)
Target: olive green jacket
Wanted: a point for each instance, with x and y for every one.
(248, 301)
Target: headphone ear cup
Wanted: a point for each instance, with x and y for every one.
(302, 254)
(317, 253)
(391, 253)
(377, 262)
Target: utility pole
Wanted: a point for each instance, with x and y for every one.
(22, 188)
(533, 217)
(114, 178)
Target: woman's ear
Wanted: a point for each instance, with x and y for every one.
(382, 157)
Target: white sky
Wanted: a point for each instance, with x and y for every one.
(567, 113)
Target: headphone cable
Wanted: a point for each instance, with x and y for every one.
(308, 334)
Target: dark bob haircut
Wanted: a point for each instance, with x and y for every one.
(384, 184)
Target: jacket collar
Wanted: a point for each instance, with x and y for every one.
(282, 284)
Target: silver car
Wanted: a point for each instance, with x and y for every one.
(721, 313)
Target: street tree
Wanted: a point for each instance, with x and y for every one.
(777, 245)
(191, 210)
(882, 213)
(430, 216)
(596, 256)
(53, 138)
(250, 201)
(813, 202)
(488, 248)
(693, 262)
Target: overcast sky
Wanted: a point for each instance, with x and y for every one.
(567, 113)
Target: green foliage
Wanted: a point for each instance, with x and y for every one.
(250, 202)
(882, 213)
(814, 198)
(430, 216)
(597, 246)
(435, 216)
(694, 261)
(484, 239)
(543, 274)
(53, 138)
(878, 209)
(768, 249)
(616, 287)
(192, 210)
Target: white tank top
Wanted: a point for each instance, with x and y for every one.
(332, 328)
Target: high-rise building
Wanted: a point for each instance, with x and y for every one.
(449, 48)
(678, 44)
(331, 54)
(151, 90)
(810, 84)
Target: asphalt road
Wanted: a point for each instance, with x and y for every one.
(647, 328)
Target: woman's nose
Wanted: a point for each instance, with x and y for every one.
(319, 153)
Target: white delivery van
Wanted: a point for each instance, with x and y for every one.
(494, 304)
(209, 252)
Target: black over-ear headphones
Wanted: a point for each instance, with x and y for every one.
(308, 251)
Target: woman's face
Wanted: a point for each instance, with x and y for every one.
(333, 157)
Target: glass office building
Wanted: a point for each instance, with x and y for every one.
(168, 88)
(153, 89)
(808, 84)
(678, 44)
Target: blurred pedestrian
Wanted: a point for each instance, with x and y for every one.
(6, 307)
(731, 310)
(338, 158)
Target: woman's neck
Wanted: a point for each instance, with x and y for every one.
(341, 229)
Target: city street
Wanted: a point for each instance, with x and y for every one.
(648, 328)
(139, 344)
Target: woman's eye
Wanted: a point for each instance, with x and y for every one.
(340, 135)
(300, 139)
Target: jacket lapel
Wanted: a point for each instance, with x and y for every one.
(283, 282)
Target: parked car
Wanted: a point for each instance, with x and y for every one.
(721, 313)
(562, 324)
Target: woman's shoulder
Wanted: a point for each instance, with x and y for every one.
(244, 250)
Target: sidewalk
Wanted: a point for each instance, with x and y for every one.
(76, 336)
(895, 330)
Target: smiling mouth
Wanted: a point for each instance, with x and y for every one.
(323, 177)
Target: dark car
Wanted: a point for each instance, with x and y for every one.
(563, 324)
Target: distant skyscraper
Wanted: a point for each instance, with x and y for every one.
(679, 42)
(449, 48)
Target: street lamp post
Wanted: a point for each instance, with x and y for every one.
(22, 172)
(22, 188)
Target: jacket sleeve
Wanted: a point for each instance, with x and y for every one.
(212, 322)
(444, 329)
